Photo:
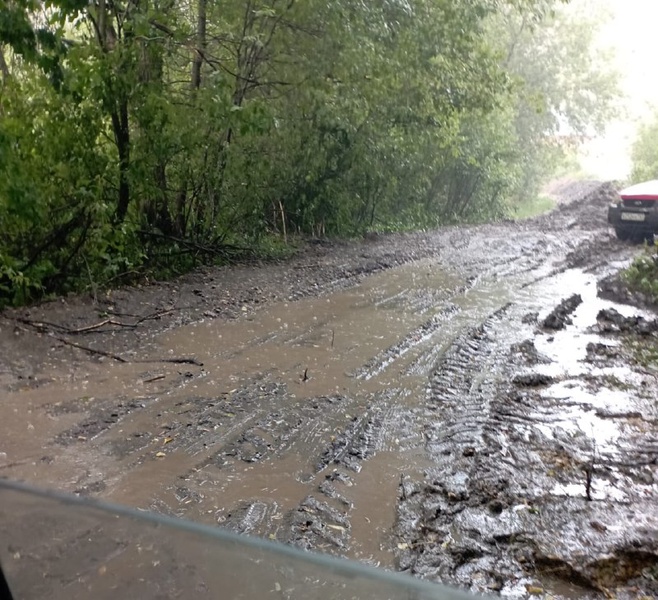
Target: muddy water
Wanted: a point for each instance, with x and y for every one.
(381, 422)
(334, 346)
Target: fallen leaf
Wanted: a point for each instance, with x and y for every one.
(160, 454)
(167, 440)
(336, 527)
(534, 590)
(403, 546)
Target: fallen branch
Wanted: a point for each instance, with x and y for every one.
(44, 326)
(90, 350)
(214, 250)
(98, 325)
(118, 358)
(176, 361)
(155, 315)
(41, 326)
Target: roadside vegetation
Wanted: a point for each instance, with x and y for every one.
(533, 207)
(644, 154)
(147, 137)
(642, 275)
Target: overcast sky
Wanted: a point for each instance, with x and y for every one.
(631, 33)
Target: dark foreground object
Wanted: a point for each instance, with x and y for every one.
(5, 592)
(56, 546)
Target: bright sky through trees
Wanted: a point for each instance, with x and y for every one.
(631, 34)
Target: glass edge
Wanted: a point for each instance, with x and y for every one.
(349, 567)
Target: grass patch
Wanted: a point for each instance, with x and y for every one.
(644, 351)
(533, 207)
(642, 275)
(613, 382)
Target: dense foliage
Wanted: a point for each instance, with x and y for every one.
(645, 151)
(141, 134)
(642, 275)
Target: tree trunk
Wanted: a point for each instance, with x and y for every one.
(4, 69)
(122, 139)
(200, 49)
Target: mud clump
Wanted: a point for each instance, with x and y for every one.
(530, 318)
(102, 417)
(560, 317)
(532, 379)
(597, 352)
(615, 289)
(528, 352)
(611, 321)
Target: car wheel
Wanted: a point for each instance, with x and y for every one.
(642, 236)
(623, 233)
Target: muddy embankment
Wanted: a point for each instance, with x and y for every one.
(461, 405)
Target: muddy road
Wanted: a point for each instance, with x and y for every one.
(460, 405)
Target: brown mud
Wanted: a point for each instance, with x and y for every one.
(461, 405)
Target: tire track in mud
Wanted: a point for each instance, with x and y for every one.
(262, 435)
(461, 389)
(458, 409)
(102, 415)
(324, 518)
(417, 336)
(332, 436)
(512, 264)
(505, 507)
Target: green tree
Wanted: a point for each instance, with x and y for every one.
(152, 134)
(645, 152)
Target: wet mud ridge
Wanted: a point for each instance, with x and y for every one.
(474, 406)
(544, 480)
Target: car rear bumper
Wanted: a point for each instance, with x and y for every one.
(636, 218)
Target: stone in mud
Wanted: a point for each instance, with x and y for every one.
(610, 414)
(532, 379)
(529, 318)
(597, 352)
(559, 318)
(610, 320)
(528, 351)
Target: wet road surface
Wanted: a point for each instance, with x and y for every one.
(428, 418)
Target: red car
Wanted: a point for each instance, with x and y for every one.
(635, 215)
